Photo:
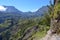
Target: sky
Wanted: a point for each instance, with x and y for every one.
(25, 5)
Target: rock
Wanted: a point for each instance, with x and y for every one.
(29, 32)
(51, 36)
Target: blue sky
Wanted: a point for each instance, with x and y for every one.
(25, 5)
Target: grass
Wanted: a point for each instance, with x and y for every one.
(38, 35)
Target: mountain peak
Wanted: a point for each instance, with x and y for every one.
(9, 9)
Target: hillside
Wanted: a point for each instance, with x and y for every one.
(43, 24)
(18, 25)
(54, 31)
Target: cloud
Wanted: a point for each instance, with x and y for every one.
(2, 8)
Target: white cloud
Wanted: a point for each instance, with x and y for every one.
(2, 8)
(33, 10)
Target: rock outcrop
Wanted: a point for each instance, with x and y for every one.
(51, 36)
(29, 32)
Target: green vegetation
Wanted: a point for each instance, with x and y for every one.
(15, 29)
(18, 28)
(5, 24)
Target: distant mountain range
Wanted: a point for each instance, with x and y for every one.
(12, 12)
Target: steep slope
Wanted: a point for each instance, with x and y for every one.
(12, 28)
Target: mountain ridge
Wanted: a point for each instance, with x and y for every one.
(12, 11)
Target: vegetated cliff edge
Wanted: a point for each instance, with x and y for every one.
(54, 32)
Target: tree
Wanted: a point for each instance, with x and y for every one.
(55, 20)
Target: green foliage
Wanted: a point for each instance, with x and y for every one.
(5, 24)
(19, 26)
(56, 10)
(45, 20)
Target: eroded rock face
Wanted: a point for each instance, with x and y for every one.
(29, 32)
(51, 36)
